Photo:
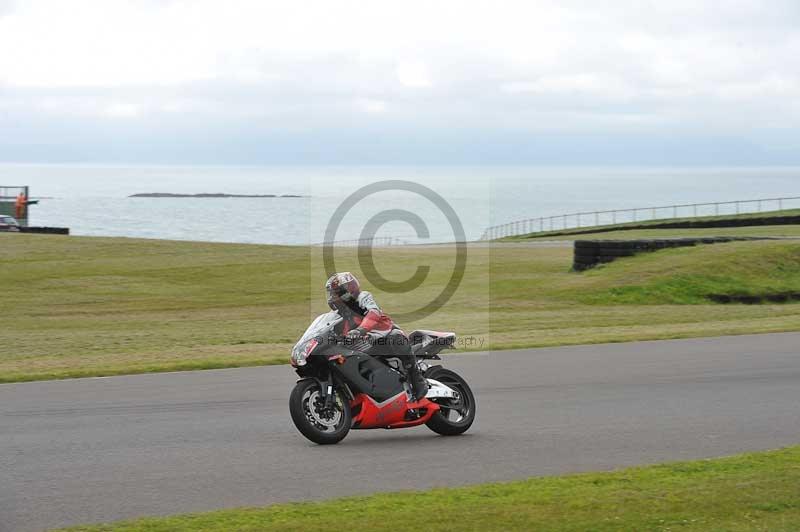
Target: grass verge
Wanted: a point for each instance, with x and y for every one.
(756, 491)
(79, 306)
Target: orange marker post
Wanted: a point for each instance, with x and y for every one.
(21, 206)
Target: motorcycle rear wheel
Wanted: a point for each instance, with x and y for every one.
(320, 425)
(454, 416)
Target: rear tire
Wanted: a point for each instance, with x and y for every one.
(453, 417)
(316, 424)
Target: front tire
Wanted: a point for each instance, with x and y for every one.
(320, 425)
(454, 416)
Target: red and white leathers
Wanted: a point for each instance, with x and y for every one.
(365, 314)
(363, 317)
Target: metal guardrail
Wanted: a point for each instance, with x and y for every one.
(580, 220)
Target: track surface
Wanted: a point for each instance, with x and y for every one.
(94, 450)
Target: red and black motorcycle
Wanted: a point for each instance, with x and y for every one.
(343, 386)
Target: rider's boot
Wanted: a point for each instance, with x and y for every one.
(419, 386)
(401, 348)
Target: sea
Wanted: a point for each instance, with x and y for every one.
(400, 204)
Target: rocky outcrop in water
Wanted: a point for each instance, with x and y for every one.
(212, 195)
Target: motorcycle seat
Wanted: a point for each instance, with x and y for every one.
(421, 336)
(426, 344)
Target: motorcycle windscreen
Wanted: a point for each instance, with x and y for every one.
(319, 326)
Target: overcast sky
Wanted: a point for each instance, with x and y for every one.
(566, 82)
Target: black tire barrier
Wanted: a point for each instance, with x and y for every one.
(589, 253)
(45, 230)
(757, 299)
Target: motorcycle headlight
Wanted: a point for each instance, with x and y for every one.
(300, 353)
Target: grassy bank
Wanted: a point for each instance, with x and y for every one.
(695, 276)
(757, 491)
(100, 306)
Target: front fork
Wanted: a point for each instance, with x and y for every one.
(327, 390)
(328, 385)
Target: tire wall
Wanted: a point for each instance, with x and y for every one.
(45, 230)
(589, 253)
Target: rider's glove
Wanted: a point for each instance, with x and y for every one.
(356, 333)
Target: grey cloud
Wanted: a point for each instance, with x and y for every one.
(705, 80)
(7, 7)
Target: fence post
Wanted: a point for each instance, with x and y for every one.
(596, 218)
(674, 211)
(694, 208)
(634, 215)
(716, 209)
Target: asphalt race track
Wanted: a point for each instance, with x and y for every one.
(90, 450)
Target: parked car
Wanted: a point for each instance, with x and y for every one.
(7, 223)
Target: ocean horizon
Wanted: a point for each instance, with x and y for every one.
(93, 199)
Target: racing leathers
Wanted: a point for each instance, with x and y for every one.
(363, 319)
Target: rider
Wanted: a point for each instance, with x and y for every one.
(363, 318)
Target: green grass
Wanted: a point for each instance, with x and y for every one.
(757, 491)
(694, 275)
(646, 226)
(79, 306)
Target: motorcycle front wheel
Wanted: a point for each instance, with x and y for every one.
(319, 424)
(455, 416)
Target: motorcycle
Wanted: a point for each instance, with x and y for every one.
(343, 386)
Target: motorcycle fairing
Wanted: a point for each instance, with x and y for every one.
(437, 389)
(366, 374)
(391, 413)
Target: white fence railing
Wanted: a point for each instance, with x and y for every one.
(580, 220)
